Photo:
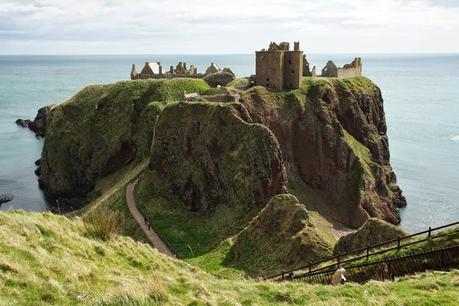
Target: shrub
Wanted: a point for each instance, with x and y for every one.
(103, 223)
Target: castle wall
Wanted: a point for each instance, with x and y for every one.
(349, 72)
(293, 69)
(269, 69)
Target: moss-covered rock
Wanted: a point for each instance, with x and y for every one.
(102, 128)
(210, 153)
(372, 232)
(281, 237)
(333, 136)
(219, 78)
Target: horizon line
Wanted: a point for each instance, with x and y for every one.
(251, 53)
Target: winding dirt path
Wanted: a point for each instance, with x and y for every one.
(150, 233)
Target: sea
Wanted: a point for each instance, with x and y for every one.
(421, 101)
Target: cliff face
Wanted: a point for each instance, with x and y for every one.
(210, 153)
(328, 138)
(101, 129)
(333, 137)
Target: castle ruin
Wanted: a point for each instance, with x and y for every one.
(154, 70)
(347, 71)
(280, 68)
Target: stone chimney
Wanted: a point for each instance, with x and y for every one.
(296, 46)
(133, 72)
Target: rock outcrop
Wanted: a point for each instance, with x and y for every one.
(333, 137)
(40, 123)
(211, 153)
(280, 237)
(372, 232)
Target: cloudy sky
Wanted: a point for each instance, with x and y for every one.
(236, 26)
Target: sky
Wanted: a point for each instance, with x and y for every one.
(236, 26)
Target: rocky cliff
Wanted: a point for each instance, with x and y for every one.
(101, 129)
(328, 138)
(333, 136)
(211, 153)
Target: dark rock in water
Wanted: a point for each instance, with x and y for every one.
(372, 232)
(37, 171)
(39, 124)
(23, 123)
(37, 162)
(219, 78)
(4, 198)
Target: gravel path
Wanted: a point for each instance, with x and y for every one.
(150, 233)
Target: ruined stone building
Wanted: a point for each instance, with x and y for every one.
(154, 70)
(278, 67)
(351, 70)
(281, 68)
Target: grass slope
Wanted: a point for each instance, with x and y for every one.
(48, 259)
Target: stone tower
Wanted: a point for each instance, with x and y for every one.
(278, 67)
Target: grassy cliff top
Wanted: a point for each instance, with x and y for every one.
(49, 259)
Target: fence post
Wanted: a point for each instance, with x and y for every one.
(368, 251)
(398, 244)
(430, 231)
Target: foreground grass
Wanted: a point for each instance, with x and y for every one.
(49, 259)
(200, 240)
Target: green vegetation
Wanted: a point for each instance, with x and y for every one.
(102, 128)
(281, 237)
(49, 259)
(239, 83)
(197, 238)
(110, 194)
(441, 239)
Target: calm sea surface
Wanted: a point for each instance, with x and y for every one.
(421, 94)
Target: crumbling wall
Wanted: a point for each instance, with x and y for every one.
(351, 70)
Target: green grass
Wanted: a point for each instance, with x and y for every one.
(110, 193)
(199, 239)
(87, 133)
(48, 259)
(238, 83)
(444, 238)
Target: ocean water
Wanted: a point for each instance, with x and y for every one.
(421, 94)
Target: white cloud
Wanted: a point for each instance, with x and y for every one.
(204, 26)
